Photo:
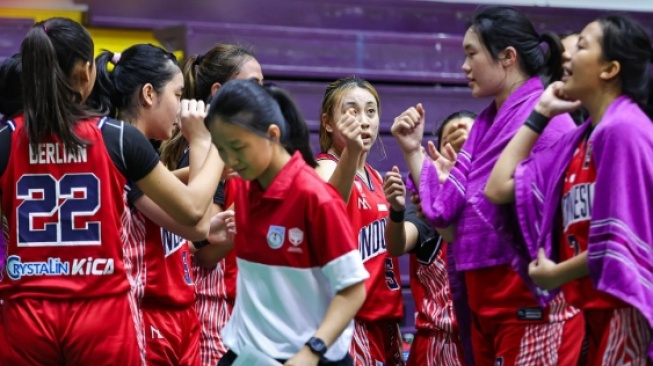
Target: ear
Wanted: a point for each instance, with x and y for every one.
(508, 57)
(148, 95)
(324, 119)
(274, 133)
(214, 88)
(85, 76)
(610, 70)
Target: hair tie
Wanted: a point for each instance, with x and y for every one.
(198, 59)
(45, 29)
(116, 58)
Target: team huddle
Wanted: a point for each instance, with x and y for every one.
(530, 232)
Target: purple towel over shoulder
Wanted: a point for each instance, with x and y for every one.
(620, 251)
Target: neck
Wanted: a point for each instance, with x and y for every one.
(360, 166)
(597, 103)
(512, 82)
(138, 123)
(279, 160)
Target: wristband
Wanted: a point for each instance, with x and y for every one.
(201, 244)
(537, 121)
(397, 216)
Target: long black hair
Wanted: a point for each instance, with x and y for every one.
(50, 52)
(626, 41)
(11, 85)
(254, 107)
(117, 92)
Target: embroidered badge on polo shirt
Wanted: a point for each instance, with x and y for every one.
(296, 237)
(276, 235)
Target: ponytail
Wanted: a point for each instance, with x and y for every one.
(296, 136)
(219, 65)
(51, 52)
(552, 68)
(102, 98)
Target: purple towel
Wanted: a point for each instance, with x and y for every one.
(620, 251)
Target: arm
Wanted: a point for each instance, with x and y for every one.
(500, 188)
(187, 203)
(549, 275)
(342, 174)
(182, 174)
(193, 233)
(400, 235)
(219, 245)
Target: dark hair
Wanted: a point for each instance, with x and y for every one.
(333, 95)
(11, 97)
(50, 52)
(455, 115)
(499, 27)
(218, 65)
(256, 108)
(626, 41)
(117, 92)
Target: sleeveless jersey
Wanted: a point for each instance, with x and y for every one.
(368, 213)
(430, 286)
(64, 212)
(163, 276)
(576, 214)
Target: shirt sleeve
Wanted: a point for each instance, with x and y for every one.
(429, 242)
(129, 149)
(335, 245)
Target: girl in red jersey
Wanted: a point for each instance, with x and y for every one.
(215, 284)
(300, 278)
(586, 201)
(145, 89)
(349, 126)
(436, 341)
(65, 290)
(496, 308)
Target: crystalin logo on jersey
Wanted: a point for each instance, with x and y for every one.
(56, 267)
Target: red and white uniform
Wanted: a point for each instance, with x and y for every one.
(437, 341)
(290, 262)
(165, 292)
(617, 333)
(377, 338)
(215, 287)
(66, 214)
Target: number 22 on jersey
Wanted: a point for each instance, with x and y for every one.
(58, 212)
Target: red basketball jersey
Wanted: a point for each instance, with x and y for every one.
(430, 286)
(576, 209)
(368, 214)
(167, 280)
(63, 210)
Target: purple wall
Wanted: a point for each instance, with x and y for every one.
(12, 32)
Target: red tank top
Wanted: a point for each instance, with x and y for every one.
(368, 212)
(576, 214)
(64, 217)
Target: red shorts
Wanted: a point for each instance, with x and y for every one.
(617, 337)
(533, 343)
(213, 314)
(377, 344)
(171, 336)
(98, 331)
(436, 348)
